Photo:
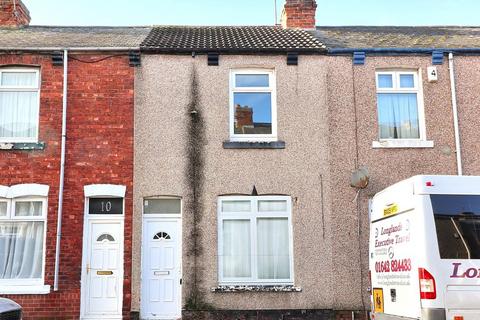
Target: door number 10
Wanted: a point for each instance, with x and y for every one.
(106, 206)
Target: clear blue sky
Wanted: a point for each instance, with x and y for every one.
(250, 12)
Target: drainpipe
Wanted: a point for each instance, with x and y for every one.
(455, 114)
(62, 170)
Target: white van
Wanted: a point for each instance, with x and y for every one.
(425, 249)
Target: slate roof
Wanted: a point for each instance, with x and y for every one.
(398, 37)
(238, 39)
(231, 39)
(72, 37)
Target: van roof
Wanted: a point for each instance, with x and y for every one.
(439, 184)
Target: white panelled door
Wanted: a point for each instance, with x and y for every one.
(103, 271)
(161, 268)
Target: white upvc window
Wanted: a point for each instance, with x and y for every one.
(255, 243)
(253, 107)
(22, 244)
(400, 111)
(19, 104)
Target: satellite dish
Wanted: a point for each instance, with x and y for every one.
(360, 178)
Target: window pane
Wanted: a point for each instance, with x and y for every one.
(273, 248)
(236, 248)
(457, 220)
(454, 205)
(458, 236)
(236, 206)
(385, 81)
(3, 209)
(253, 113)
(162, 206)
(21, 256)
(19, 79)
(407, 81)
(272, 205)
(18, 114)
(106, 237)
(28, 208)
(398, 116)
(251, 80)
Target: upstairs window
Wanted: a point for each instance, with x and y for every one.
(19, 105)
(253, 115)
(399, 105)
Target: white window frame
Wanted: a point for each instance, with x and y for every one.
(420, 142)
(26, 286)
(253, 215)
(23, 89)
(270, 89)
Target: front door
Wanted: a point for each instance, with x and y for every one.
(161, 268)
(102, 270)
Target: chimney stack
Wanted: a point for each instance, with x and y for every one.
(299, 14)
(14, 14)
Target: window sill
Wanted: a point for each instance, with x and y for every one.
(256, 288)
(22, 146)
(41, 289)
(253, 145)
(386, 144)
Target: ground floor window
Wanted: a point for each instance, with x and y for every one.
(255, 240)
(22, 241)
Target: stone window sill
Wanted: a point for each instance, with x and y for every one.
(402, 143)
(37, 289)
(7, 146)
(253, 145)
(256, 288)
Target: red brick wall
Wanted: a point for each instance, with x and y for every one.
(11, 18)
(300, 14)
(99, 150)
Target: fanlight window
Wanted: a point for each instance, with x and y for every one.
(106, 237)
(161, 235)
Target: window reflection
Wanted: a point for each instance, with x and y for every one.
(253, 113)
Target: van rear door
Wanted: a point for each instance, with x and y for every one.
(457, 224)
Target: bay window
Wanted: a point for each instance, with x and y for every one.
(255, 240)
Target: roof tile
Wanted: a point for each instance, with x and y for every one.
(352, 37)
(72, 37)
(229, 39)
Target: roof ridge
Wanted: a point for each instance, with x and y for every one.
(79, 27)
(397, 26)
(212, 26)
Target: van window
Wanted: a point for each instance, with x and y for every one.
(457, 220)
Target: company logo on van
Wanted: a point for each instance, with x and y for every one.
(470, 273)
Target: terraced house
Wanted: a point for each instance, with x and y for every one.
(216, 172)
(66, 158)
(402, 102)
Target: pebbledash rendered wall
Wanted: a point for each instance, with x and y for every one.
(327, 115)
(99, 150)
(163, 93)
(353, 127)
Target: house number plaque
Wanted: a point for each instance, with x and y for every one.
(105, 206)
